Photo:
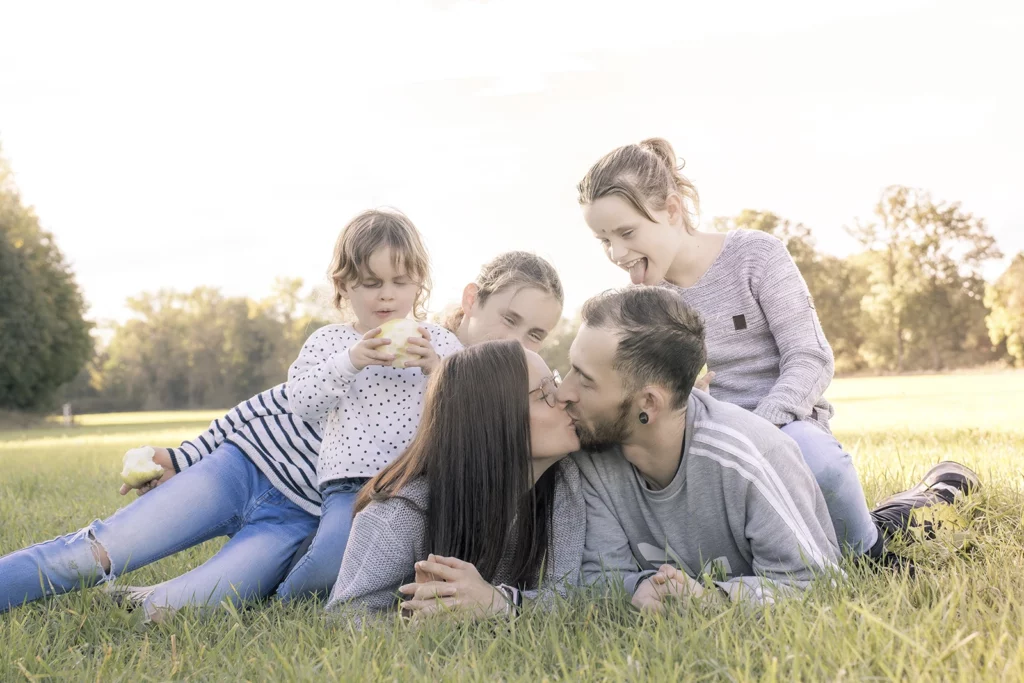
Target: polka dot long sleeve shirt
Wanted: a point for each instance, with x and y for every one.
(367, 417)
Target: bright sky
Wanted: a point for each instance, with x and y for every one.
(183, 144)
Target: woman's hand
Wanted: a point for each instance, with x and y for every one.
(449, 584)
(704, 381)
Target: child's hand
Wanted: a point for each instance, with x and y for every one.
(427, 360)
(704, 381)
(161, 457)
(366, 351)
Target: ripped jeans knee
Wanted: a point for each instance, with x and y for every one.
(99, 552)
(57, 566)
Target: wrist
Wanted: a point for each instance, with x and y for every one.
(632, 582)
(162, 457)
(511, 600)
(345, 365)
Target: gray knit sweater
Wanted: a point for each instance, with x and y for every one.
(765, 344)
(387, 539)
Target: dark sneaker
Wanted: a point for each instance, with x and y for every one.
(928, 505)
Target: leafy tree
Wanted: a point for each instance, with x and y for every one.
(839, 289)
(44, 338)
(201, 349)
(555, 350)
(1005, 298)
(925, 277)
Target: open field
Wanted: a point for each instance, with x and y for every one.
(960, 618)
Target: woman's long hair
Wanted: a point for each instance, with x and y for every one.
(473, 449)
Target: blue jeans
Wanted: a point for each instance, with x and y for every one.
(837, 478)
(317, 571)
(222, 495)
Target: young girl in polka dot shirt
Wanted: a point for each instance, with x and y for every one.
(343, 380)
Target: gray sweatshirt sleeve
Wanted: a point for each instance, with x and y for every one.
(607, 556)
(378, 559)
(806, 363)
(790, 535)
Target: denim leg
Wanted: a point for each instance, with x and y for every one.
(203, 502)
(317, 571)
(250, 565)
(833, 469)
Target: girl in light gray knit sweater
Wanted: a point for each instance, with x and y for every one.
(482, 510)
(766, 349)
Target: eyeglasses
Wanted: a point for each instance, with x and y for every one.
(547, 388)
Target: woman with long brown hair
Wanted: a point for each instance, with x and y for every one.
(482, 501)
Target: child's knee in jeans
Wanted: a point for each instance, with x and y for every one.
(831, 465)
(835, 477)
(99, 551)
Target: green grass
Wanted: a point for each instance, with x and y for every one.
(960, 618)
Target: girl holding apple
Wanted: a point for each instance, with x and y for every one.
(253, 475)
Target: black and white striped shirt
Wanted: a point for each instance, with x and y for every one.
(281, 445)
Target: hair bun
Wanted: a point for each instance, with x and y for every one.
(645, 174)
(662, 148)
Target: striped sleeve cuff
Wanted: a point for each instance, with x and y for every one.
(182, 459)
(177, 459)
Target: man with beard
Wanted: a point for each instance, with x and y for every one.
(686, 494)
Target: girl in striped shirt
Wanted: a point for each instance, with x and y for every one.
(252, 476)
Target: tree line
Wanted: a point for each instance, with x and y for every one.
(44, 337)
(198, 349)
(912, 299)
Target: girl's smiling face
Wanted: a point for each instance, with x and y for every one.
(642, 247)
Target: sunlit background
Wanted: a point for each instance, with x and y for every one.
(226, 144)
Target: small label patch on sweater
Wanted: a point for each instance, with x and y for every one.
(739, 322)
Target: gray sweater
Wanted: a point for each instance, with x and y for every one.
(387, 539)
(742, 510)
(765, 344)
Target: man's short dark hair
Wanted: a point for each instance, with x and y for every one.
(661, 339)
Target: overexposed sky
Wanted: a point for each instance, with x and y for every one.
(226, 144)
